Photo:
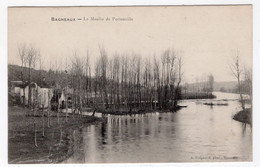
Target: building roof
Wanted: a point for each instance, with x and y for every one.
(22, 84)
(17, 83)
(43, 84)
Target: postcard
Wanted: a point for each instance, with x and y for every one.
(130, 84)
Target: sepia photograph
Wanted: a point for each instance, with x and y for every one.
(130, 84)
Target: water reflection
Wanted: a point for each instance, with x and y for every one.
(193, 132)
(103, 133)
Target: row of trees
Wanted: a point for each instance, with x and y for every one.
(29, 57)
(118, 82)
(127, 82)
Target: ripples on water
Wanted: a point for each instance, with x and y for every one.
(196, 133)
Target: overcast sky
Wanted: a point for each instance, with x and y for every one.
(206, 36)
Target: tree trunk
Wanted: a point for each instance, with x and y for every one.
(66, 103)
(49, 108)
(241, 96)
(43, 121)
(58, 111)
(34, 124)
(29, 87)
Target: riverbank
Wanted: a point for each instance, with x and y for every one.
(189, 96)
(55, 146)
(244, 116)
(136, 111)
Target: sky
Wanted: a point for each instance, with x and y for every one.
(207, 37)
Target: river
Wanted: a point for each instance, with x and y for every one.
(197, 133)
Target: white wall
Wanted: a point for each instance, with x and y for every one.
(43, 97)
(17, 90)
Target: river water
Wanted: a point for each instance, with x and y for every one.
(196, 133)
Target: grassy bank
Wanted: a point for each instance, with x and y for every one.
(244, 116)
(56, 144)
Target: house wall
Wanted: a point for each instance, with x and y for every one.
(62, 98)
(16, 90)
(44, 97)
(26, 93)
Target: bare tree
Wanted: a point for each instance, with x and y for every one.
(56, 94)
(248, 81)
(78, 74)
(116, 69)
(41, 66)
(66, 91)
(43, 109)
(210, 83)
(31, 58)
(103, 67)
(22, 55)
(237, 71)
(34, 106)
(49, 108)
(157, 81)
(179, 80)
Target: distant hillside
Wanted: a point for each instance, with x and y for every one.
(229, 86)
(18, 73)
